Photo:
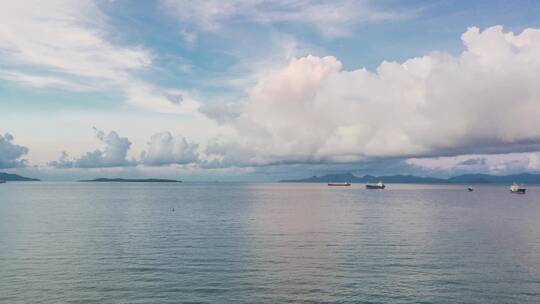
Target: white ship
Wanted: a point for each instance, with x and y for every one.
(517, 189)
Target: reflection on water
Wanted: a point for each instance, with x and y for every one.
(267, 243)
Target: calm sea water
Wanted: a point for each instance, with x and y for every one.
(267, 243)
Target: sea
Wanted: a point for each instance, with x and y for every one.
(267, 243)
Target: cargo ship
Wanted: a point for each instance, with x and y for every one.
(339, 184)
(378, 185)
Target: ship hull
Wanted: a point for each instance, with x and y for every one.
(374, 187)
(339, 184)
(518, 191)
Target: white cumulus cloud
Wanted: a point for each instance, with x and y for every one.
(10, 153)
(63, 161)
(163, 149)
(485, 100)
(114, 154)
(166, 149)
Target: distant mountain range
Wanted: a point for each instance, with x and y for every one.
(14, 177)
(131, 180)
(526, 178)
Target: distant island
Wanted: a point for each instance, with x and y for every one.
(16, 178)
(131, 180)
(526, 178)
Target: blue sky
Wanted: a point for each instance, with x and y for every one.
(262, 90)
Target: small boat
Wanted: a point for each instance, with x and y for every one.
(378, 185)
(339, 184)
(515, 188)
(470, 188)
(2, 181)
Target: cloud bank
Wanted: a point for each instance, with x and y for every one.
(10, 153)
(163, 149)
(485, 100)
(507, 163)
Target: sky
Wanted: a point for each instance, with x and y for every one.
(265, 90)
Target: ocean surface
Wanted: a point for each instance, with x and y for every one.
(267, 243)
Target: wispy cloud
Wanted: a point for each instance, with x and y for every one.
(331, 18)
(43, 81)
(67, 37)
(65, 44)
